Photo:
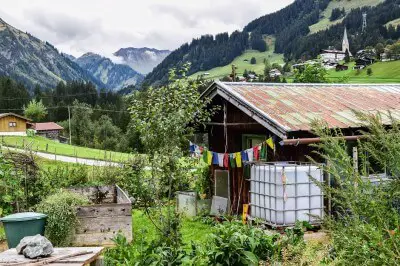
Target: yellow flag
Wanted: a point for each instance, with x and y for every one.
(271, 143)
(209, 157)
(238, 158)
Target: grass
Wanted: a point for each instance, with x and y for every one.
(382, 72)
(191, 230)
(53, 147)
(2, 233)
(325, 23)
(395, 23)
(242, 62)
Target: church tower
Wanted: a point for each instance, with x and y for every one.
(345, 43)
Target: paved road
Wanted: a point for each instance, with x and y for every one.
(68, 159)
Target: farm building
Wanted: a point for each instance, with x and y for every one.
(252, 113)
(49, 130)
(13, 125)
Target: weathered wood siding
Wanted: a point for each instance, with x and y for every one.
(100, 223)
(4, 124)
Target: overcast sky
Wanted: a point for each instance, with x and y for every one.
(104, 26)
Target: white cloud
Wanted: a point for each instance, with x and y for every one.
(104, 26)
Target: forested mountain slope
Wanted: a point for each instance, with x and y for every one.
(34, 62)
(291, 28)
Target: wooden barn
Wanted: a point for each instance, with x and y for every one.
(13, 125)
(49, 130)
(251, 113)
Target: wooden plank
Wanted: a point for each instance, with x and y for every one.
(106, 210)
(103, 239)
(104, 224)
(11, 256)
(110, 196)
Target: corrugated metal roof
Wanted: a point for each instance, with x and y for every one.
(294, 106)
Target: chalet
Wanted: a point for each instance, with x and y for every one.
(250, 113)
(273, 73)
(13, 125)
(332, 55)
(49, 130)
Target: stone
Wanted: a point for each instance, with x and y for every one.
(35, 246)
(219, 206)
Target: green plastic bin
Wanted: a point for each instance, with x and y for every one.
(20, 225)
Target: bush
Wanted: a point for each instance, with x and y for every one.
(233, 243)
(253, 61)
(369, 72)
(62, 219)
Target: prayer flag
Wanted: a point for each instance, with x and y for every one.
(232, 160)
(209, 157)
(244, 156)
(221, 159)
(215, 158)
(238, 159)
(263, 152)
(226, 160)
(271, 143)
(256, 153)
(205, 159)
(250, 155)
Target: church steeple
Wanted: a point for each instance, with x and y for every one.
(345, 43)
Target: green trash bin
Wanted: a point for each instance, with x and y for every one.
(20, 225)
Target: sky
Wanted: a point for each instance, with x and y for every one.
(103, 26)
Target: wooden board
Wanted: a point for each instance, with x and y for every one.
(106, 210)
(90, 192)
(11, 256)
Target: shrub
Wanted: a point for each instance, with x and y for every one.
(369, 72)
(233, 243)
(62, 219)
(253, 61)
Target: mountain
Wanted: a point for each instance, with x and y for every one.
(300, 31)
(29, 60)
(114, 76)
(143, 59)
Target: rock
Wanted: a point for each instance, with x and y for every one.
(35, 246)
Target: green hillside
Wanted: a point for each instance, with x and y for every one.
(394, 23)
(382, 72)
(325, 23)
(242, 62)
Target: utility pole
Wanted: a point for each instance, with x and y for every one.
(69, 123)
(364, 23)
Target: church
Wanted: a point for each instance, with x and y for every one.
(333, 56)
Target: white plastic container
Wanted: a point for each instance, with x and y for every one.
(282, 193)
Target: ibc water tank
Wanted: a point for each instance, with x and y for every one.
(282, 193)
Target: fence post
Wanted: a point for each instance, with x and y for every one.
(47, 147)
(55, 154)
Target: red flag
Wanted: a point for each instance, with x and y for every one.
(226, 160)
(256, 153)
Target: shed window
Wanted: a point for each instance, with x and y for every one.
(12, 124)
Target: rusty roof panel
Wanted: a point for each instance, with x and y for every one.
(295, 106)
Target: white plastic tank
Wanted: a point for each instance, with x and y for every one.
(282, 194)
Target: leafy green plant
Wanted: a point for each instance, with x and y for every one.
(365, 225)
(62, 218)
(233, 243)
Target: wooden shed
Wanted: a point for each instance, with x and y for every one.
(251, 113)
(13, 125)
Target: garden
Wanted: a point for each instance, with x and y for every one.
(362, 228)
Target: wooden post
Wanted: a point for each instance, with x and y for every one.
(47, 147)
(355, 159)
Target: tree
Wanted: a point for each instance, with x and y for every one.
(106, 134)
(287, 67)
(347, 56)
(312, 73)
(35, 110)
(379, 49)
(81, 124)
(369, 72)
(253, 61)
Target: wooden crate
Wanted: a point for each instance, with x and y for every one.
(100, 223)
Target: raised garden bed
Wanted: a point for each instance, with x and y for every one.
(100, 223)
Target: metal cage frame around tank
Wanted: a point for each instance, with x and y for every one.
(275, 210)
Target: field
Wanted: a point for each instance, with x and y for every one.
(325, 23)
(382, 72)
(242, 62)
(53, 147)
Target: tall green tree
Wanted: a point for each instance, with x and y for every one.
(35, 110)
(312, 73)
(81, 124)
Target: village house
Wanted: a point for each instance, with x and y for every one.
(273, 73)
(48, 130)
(13, 125)
(251, 113)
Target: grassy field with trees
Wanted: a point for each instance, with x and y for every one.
(54, 147)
